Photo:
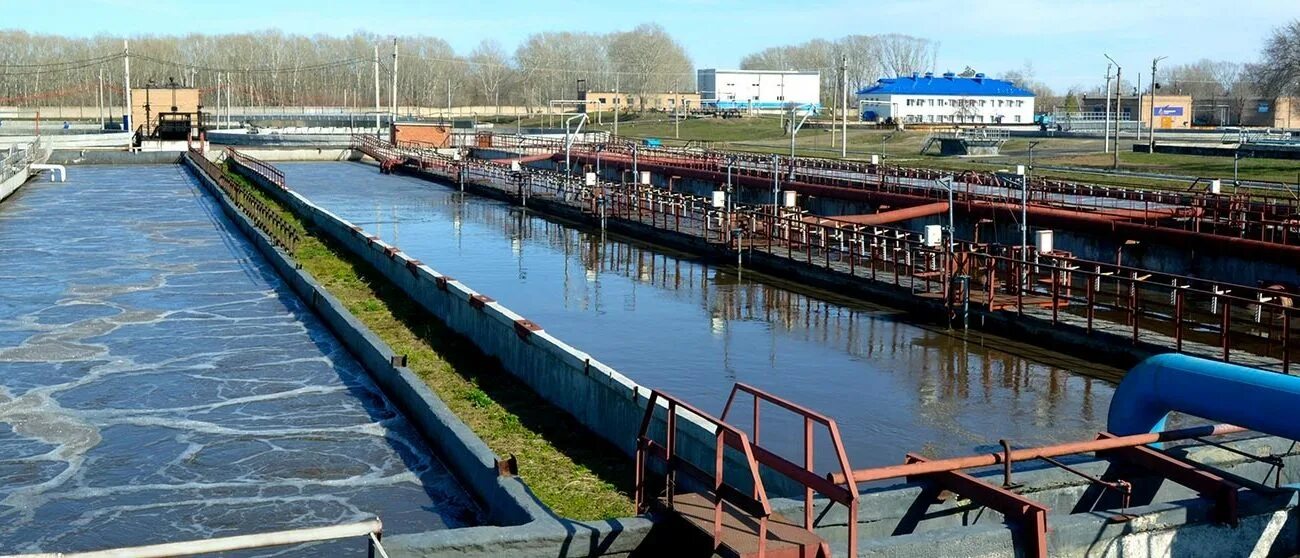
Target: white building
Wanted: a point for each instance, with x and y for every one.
(759, 89)
(947, 99)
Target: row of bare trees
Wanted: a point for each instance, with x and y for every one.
(270, 68)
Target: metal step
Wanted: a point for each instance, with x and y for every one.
(739, 537)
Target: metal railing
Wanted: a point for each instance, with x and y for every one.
(18, 159)
(840, 493)
(257, 165)
(1245, 215)
(1207, 318)
(263, 216)
(371, 529)
(754, 503)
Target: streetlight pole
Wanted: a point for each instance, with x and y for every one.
(1105, 134)
(844, 106)
(1024, 204)
(1151, 133)
(946, 182)
(776, 183)
(1236, 159)
(794, 130)
(1119, 99)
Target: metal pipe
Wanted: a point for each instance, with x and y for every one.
(1256, 399)
(894, 216)
(1029, 454)
(226, 544)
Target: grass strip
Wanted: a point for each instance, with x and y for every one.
(576, 474)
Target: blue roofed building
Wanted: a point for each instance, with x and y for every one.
(947, 99)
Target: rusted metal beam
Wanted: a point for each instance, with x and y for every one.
(1209, 485)
(1027, 454)
(1030, 516)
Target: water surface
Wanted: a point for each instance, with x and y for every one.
(671, 322)
(158, 382)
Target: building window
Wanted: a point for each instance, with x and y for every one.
(778, 97)
(1017, 118)
(603, 101)
(931, 102)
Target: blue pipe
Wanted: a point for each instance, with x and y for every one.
(1247, 397)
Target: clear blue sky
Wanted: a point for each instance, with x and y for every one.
(1063, 39)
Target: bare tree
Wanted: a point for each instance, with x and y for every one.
(1044, 97)
(490, 66)
(903, 54)
(648, 60)
(1278, 71)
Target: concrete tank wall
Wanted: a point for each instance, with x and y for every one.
(610, 404)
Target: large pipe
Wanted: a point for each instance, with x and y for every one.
(894, 216)
(1249, 397)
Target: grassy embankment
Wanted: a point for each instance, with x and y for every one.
(569, 469)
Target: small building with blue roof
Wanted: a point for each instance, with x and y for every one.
(946, 99)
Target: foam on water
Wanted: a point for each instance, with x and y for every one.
(158, 382)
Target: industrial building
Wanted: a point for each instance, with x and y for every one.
(1263, 112)
(597, 101)
(759, 90)
(948, 98)
(166, 111)
(1170, 112)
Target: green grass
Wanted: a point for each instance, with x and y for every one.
(570, 470)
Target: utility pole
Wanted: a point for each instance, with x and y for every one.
(230, 101)
(1151, 133)
(776, 184)
(1106, 128)
(218, 99)
(393, 118)
(1119, 73)
(377, 125)
(844, 105)
(616, 103)
(126, 63)
(835, 116)
(100, 98)
(449, 100)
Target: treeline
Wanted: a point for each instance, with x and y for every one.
(271, 68)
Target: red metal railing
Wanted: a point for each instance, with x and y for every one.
(840, 493)
(1267, 219)
(1207, 318)
(756, 505)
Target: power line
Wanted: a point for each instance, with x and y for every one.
(79, 63)
(254, 70)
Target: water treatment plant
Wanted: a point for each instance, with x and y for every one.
(779, 312)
